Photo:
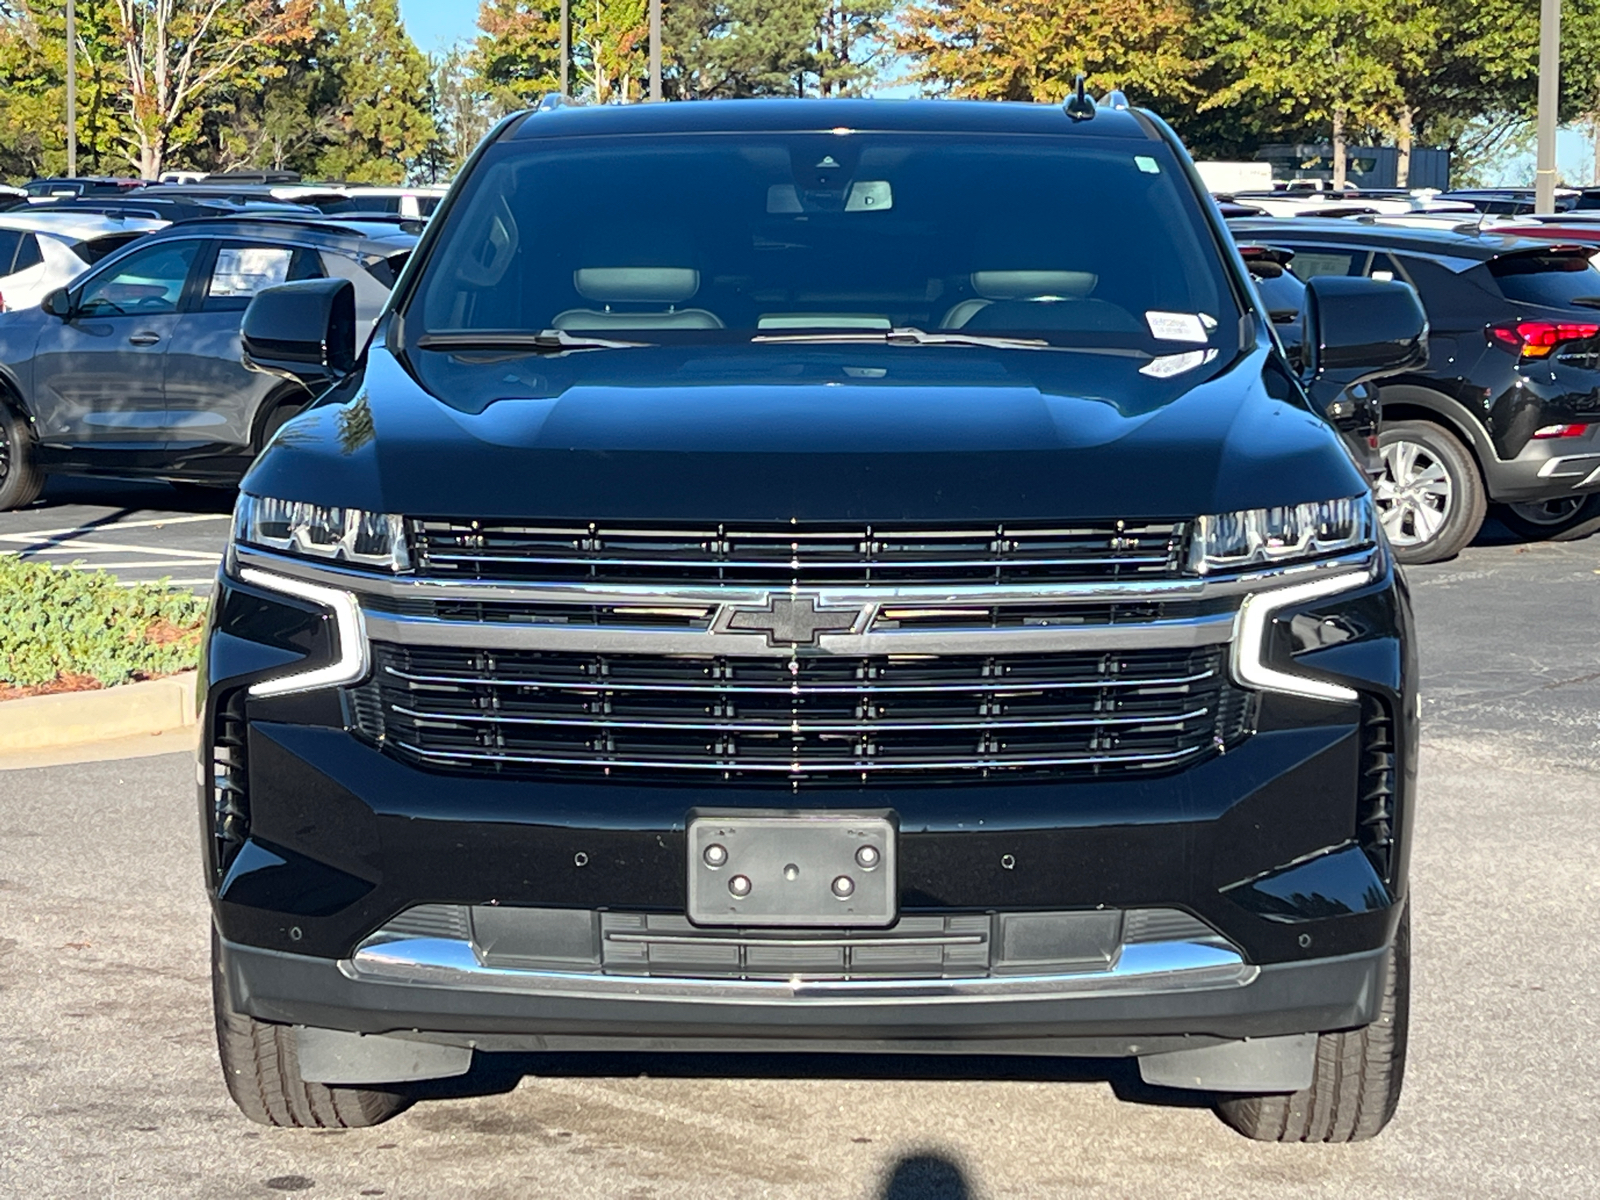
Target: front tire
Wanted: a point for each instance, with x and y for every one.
(261, 1066)
(1430, 497)
(1355, 1086)
(1563, 520)
(21, 480)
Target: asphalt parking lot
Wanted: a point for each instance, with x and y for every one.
(109, 1084)
(140, 532)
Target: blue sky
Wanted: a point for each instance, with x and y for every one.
(436, 24)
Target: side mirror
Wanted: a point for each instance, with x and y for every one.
(58, 303)
(304, 331)
(1354, 331)
(1360, 329)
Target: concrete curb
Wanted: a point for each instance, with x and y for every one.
(76, 718)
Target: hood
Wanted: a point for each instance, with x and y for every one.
(893, 434)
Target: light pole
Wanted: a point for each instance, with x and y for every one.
(655, 49)
(1544, 178)
(72, 89)
(566, 43)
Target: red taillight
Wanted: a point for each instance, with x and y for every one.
(1561, 431)
(1536, 339)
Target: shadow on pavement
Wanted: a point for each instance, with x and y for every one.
(926, 1177)
(132, 495)
(495, 1074)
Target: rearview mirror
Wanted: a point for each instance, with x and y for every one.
(58, 303)
(1354, 331)
(304, 331)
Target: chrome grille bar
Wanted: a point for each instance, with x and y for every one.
(1157, 722)
(803, 690)
(799, 766)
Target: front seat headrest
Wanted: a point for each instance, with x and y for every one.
(1034, 285)
(643, 285)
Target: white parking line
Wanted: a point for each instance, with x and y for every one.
(151, 522)
(66, 546)
(137, 565)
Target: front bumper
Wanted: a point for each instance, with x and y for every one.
(1265, 844)
(1070, 1017)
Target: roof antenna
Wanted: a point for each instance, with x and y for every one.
(1079, 105)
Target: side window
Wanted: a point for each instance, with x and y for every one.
(95, 249)
(1312, 261)
(9, 238)
(1385, 268)
(240, 271)
(147, 282)
(28, 253)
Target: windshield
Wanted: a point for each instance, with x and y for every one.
(1070, 241)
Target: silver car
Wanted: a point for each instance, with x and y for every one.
(135, 369)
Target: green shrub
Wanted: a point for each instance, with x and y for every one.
(58, 621)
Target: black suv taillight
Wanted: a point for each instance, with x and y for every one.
(1537, 339)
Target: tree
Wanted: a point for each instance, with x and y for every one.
(182, 56)
(462, 113)
(518, 58)
(1033, 49)
(743, 48)
(380, 80)
(33, 88)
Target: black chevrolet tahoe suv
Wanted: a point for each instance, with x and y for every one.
(821, 575)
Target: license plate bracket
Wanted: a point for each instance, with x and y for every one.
(820, 870)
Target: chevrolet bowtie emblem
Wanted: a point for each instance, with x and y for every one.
(790, 622)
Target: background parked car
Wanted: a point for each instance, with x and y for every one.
(136, 369)
(1508, 408)
(149, 203)
(82, 185)
(43, 250)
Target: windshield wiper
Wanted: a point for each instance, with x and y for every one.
(908, 335)
(550, 341)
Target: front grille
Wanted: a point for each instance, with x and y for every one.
(230, 801)
(1375, 805)
(826, 718)
(799, 555)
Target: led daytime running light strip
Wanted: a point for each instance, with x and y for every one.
(1250, 636)
(350, 664)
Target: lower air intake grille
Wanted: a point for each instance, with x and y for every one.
(821, 719)
(1375, 805)
(230, 801)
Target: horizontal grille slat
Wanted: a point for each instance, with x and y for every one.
(799, 554)
(824, 717)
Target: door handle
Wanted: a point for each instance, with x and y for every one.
(145, 339)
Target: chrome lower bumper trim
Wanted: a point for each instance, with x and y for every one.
(1139, 968)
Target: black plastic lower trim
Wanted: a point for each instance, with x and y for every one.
(1311, 996)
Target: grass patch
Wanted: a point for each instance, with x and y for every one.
(61, 625)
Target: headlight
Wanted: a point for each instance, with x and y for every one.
(349, 535)
(1230, 541)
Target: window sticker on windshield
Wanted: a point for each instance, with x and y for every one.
(1147, 164)
(1176, 327)
(1169, 365)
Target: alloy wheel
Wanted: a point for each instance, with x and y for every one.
(1414, 495)
(5, 449)
(1549, 512)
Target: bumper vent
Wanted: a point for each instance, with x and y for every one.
(230, 801)
(825, 718)
(800, 555)
(1375, 806)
